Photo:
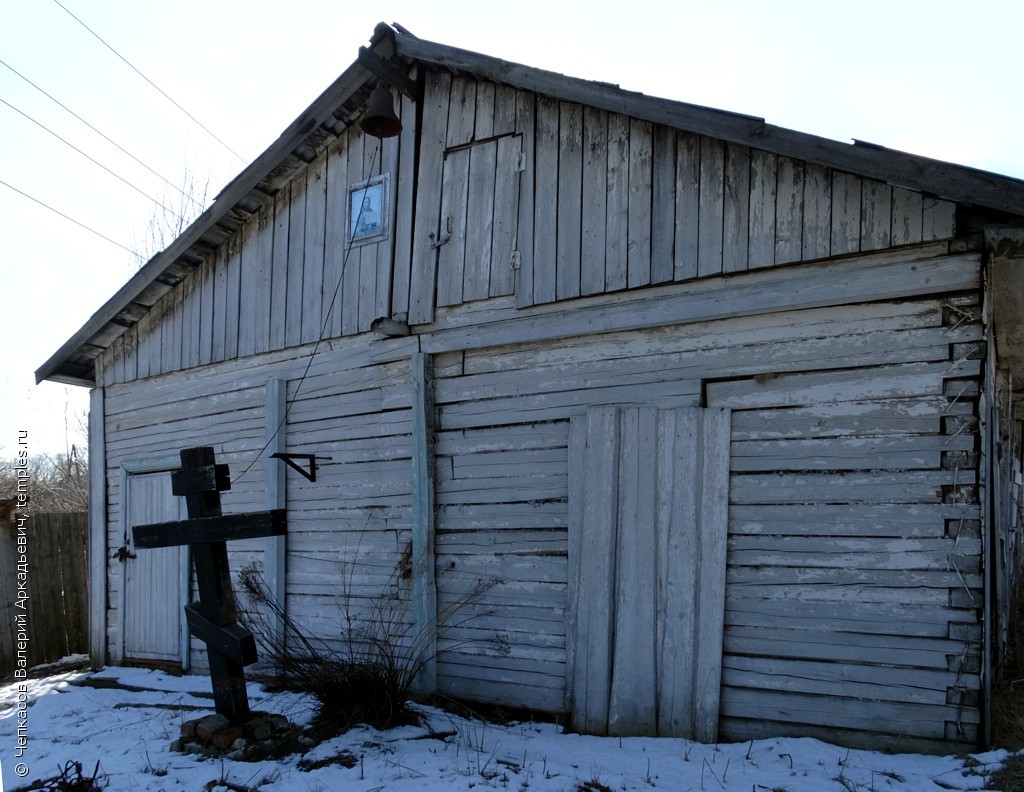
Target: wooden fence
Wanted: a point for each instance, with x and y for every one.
(56, 613)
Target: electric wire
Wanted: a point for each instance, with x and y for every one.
(66, 217)
(323, 333)
(117, 176)
(144, 77)
(101, 134)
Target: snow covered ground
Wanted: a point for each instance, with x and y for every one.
(129, 732)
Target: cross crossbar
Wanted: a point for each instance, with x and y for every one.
(200, 530)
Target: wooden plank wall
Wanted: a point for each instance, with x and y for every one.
(284, 279)
(854, 473)
(611, 202)
(361, 494)
(855, 585)
(550, 200)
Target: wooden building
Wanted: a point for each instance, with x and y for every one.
(723, 413)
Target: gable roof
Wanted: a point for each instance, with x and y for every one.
(392, 51)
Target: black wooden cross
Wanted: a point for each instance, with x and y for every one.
(214, 618)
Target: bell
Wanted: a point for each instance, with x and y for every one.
(380, 119)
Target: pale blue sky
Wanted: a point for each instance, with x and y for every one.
(934, 78)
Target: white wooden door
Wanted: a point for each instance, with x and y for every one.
(153, 587)
(647, 545)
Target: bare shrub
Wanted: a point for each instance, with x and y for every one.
(365, 673)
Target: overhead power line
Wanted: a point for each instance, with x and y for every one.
(92, 160)
(101, 134)
(66, 217)
(144, 77)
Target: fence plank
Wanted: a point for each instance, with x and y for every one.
(57, 614)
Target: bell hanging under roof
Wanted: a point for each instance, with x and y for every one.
(379, 119)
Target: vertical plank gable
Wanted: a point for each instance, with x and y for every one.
(907, 216)
(545, 209)
(451, 256)
(763, 197)
(846, 211)
(617, 203)
(687, 205)
(736, 211)
(232, 298)
(876, 215)
(640, 192)
(507, 196)
(263, 278)
(279, 272)
(594, 200)
(483, 164)
(313, 252)
(437, 87)
(816, 238)
(711, 211)
(404, 212)
(663, 190)
(526, 110)
(296, 260)
(338, 256)
(570, 188)
(789, 210)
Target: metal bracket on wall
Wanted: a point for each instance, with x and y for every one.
(310, 459)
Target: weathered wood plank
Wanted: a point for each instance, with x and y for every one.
(816, 240)
(663, 205)
(737, 209)
(461, 112)
(876, 215)
(313, 285)
(846, 213)
(763, 200)
(594, 569)
(279, 271)
(633, 706)
(437, 86)
(638, 247)
(789, 211)
(687, 205)
(594, 200)
(545, 208)
(525, 125)
(404, 212)
(679, 535)
(424, 590)
(336, 304)
(505, 242)
(617, 204)
(907, 216)
(710, 224)
(938, 219)
(714, 499)
(294, 287)
(451, 256)
(569, 189)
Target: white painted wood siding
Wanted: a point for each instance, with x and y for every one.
(853, 480)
